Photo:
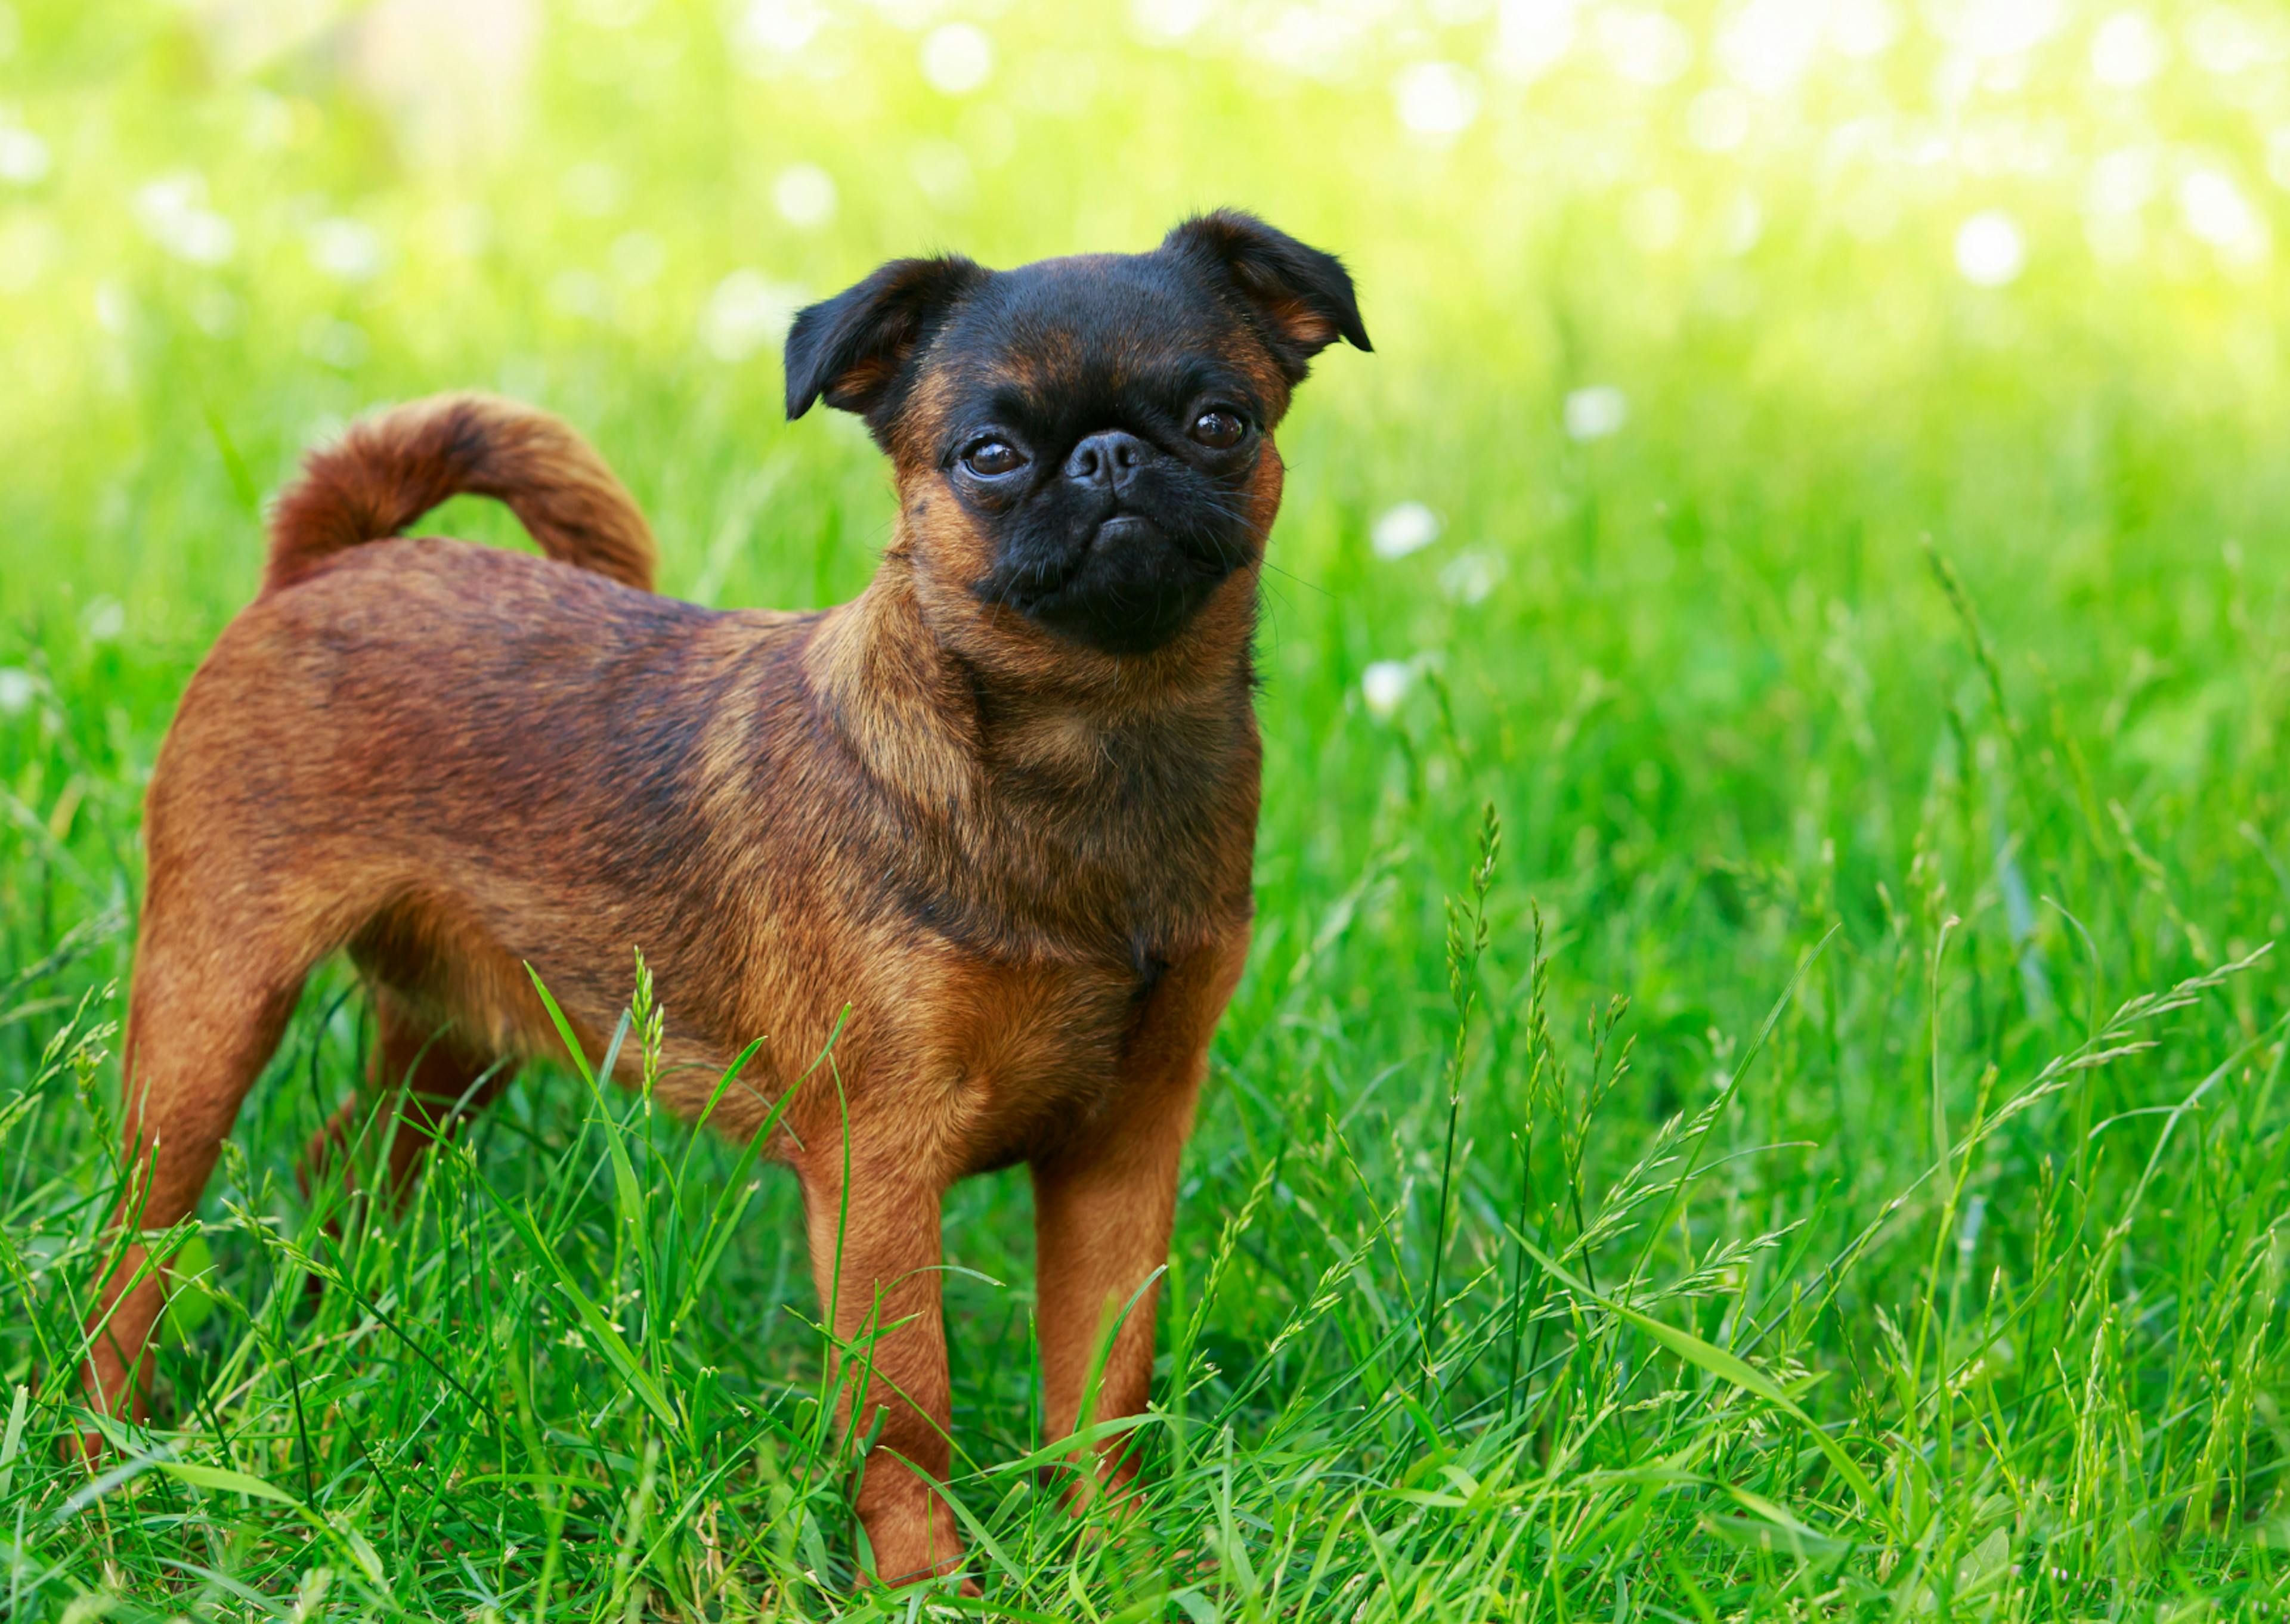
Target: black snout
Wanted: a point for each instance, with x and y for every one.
(1108, 461)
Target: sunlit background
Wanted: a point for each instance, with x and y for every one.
(1820, 479)
(226, 225)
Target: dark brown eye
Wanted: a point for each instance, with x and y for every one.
(1219, 430)
(991, 458)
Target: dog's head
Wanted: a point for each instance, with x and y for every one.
(1084, 445)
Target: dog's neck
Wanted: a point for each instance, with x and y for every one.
(1035, 817)
(950, 730)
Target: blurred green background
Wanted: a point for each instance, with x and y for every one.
(1963, 268)
(1822, 467)
(1673, 307)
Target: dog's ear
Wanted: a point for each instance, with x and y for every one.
(1302, 296)
(849, 349)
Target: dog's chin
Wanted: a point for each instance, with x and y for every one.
(1129, 588)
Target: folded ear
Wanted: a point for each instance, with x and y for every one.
(1303, 297)
(849, 350)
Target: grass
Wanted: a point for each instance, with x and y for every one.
(1758, 1090)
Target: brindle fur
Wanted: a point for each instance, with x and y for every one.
(1021, 861)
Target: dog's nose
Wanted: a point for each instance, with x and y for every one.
(1109, 460)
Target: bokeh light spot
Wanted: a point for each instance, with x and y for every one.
(1717, 120)
(958, 58)
(1436, 100)
(805, 195)
(1595, 412)
(173, 212)
(1384, 684)
(347, 250)
(1407, 527)
(23, 157)
(2127, 51)
(2217, 212)
(1167, 21)
(1989, 250)
(746, 312)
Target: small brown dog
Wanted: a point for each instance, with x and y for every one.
(1003, 805)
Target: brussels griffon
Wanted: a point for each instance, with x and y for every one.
(1003, 805)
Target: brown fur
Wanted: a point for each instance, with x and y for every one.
(390, 469)
(1024, 866)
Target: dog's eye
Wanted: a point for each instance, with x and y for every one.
(992, 459)
(1219, 430)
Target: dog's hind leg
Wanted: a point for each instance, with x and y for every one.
(434, 1080)
(209, 1003)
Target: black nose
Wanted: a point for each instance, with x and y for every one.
(1109, 460)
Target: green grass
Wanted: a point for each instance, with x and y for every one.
(1830, 1161)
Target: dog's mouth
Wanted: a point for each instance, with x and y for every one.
(1122, 530)
(1126, 585)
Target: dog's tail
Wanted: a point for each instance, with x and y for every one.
(392, 468)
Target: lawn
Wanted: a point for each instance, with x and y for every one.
(1758, 1089)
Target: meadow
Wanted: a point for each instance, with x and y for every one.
(1758, 1090)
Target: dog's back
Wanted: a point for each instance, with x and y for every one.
(440, 753)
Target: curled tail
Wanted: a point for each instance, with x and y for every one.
(392, 468)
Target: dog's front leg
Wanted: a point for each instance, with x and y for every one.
(875, 1252)
(1103, 1206)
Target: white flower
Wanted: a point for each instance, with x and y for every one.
(958, 58)
(17, 688)
(1595, 412)
(745, 313)
(1385, 684)
(805, 195)
(1989, 250)
(1438, 99)
(1470, 577)
(1408, 528)
(104, 619)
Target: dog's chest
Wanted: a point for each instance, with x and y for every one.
(1127, 843)
(1025, 1052)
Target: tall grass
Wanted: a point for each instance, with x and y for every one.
(1758, 1091)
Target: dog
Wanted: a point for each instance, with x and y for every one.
(1001, 807)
